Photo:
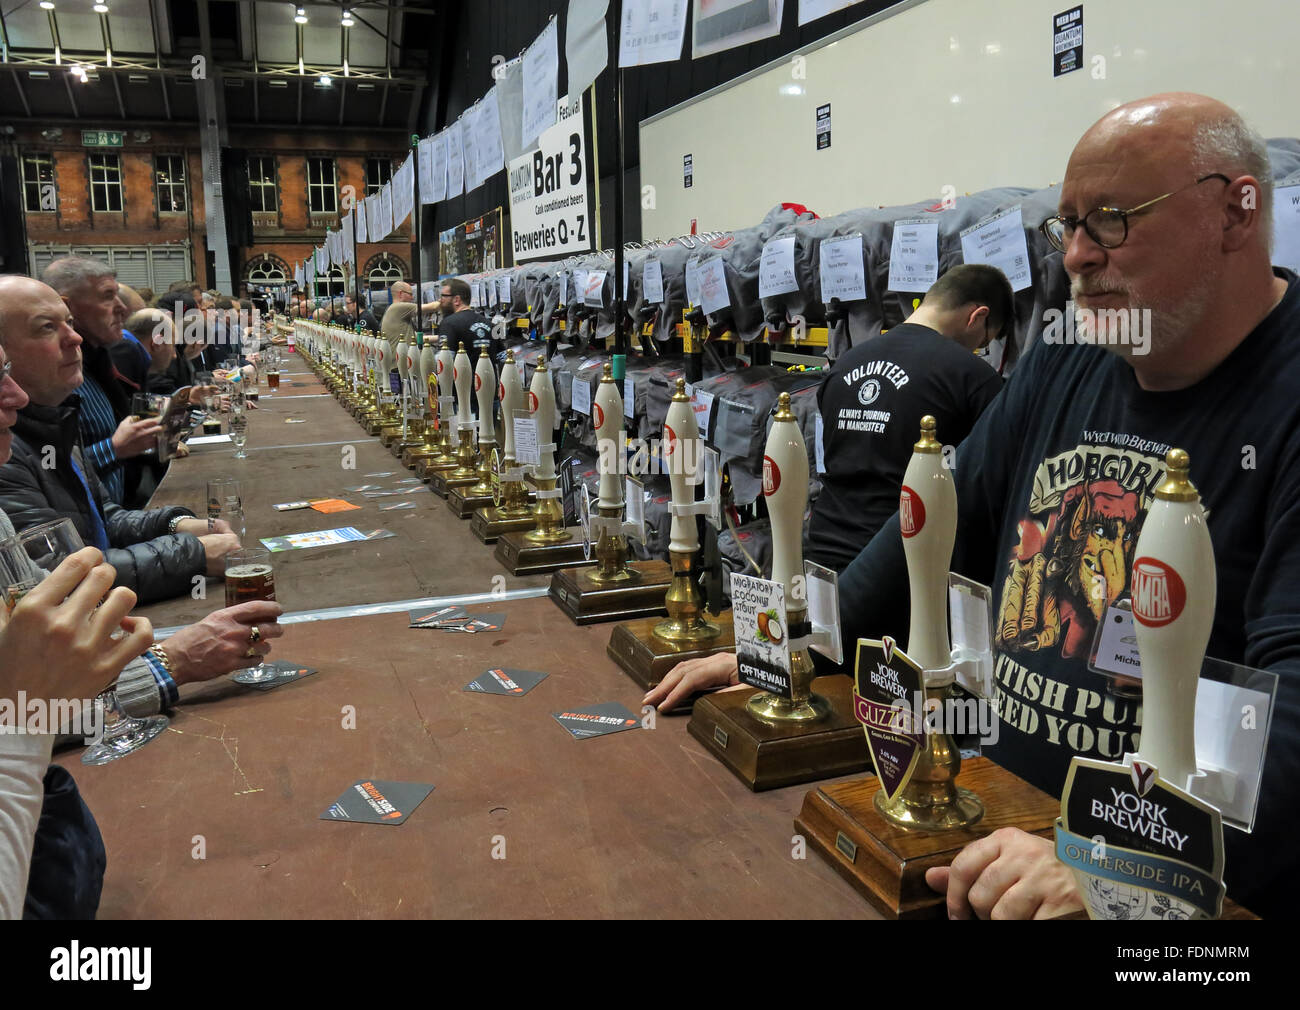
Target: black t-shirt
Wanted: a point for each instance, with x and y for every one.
(1053, 486)
(465, 327)
(872, 402)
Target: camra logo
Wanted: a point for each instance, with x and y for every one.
(533, 402)
(1158, 593)
(771, 476)
(438, 366)
(102, 964)
(868, 392)
(598, 415)
(501, 391)
(478, 383)
(911, 512)
(670, 441)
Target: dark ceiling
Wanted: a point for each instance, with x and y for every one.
(140, 60)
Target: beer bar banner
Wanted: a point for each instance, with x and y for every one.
(550, 208)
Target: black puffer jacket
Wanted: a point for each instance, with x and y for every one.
(156, 564)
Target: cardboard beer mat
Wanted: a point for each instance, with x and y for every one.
(286, 673)
(370, 801)
(329, 505)
(322, 538)
(597, 720)
(886, 684)
(430, 617)
(507, 681)
(1140, 848)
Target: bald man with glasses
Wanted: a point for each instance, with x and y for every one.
(1165, 212)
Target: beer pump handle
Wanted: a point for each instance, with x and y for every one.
(785, 487)
(1173, 590)
(485, 387)
(511, 395)
(445, 366)
(428, 367)
(541, 402)
(608, 416)
(927, 514)
(682, 452)
(462, 377)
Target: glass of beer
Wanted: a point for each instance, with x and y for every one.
(249, 576)
(25, 561)
(273, 377)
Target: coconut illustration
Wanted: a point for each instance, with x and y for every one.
(769, 627)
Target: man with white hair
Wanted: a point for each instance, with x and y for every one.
(1164, 215)
(111, 435)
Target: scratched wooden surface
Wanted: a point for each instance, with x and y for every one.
(636, 824)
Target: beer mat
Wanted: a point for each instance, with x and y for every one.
(380, 494)
(286, 673)
(505, 681)
(597, 720)
(295, 420)
(482, 622)
(383, 473)
(414, 490)
(207, 439)
(320, 538)
(424, 617)
(330, 505)
(399, 505)
(370, 801)
(377, 534)
(410, 480)
(361, 488)
(291, 506)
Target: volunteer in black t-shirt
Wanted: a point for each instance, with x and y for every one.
(1166, 207)
(873, 399)
(461, 325)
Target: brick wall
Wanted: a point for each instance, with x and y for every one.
(290, 235)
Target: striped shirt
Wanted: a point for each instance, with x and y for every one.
(98, 423)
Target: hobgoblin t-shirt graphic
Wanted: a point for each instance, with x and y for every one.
(1071, 556)
(1076, 547)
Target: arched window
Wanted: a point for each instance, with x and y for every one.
(382, 270)
(267, 270)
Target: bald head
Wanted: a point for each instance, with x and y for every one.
(1187, 257)
(38, 338)
(1188, 134)
(130, 298)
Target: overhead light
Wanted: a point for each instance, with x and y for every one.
(277, 82)
(78, 71)
(791, 89)
(301, 16)
(39, 75)
(325, 80)
(346, 20)
(100, 8)
(47, 5)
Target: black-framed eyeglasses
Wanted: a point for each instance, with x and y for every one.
(1107, 226)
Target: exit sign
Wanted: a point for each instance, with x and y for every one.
(101, 138)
